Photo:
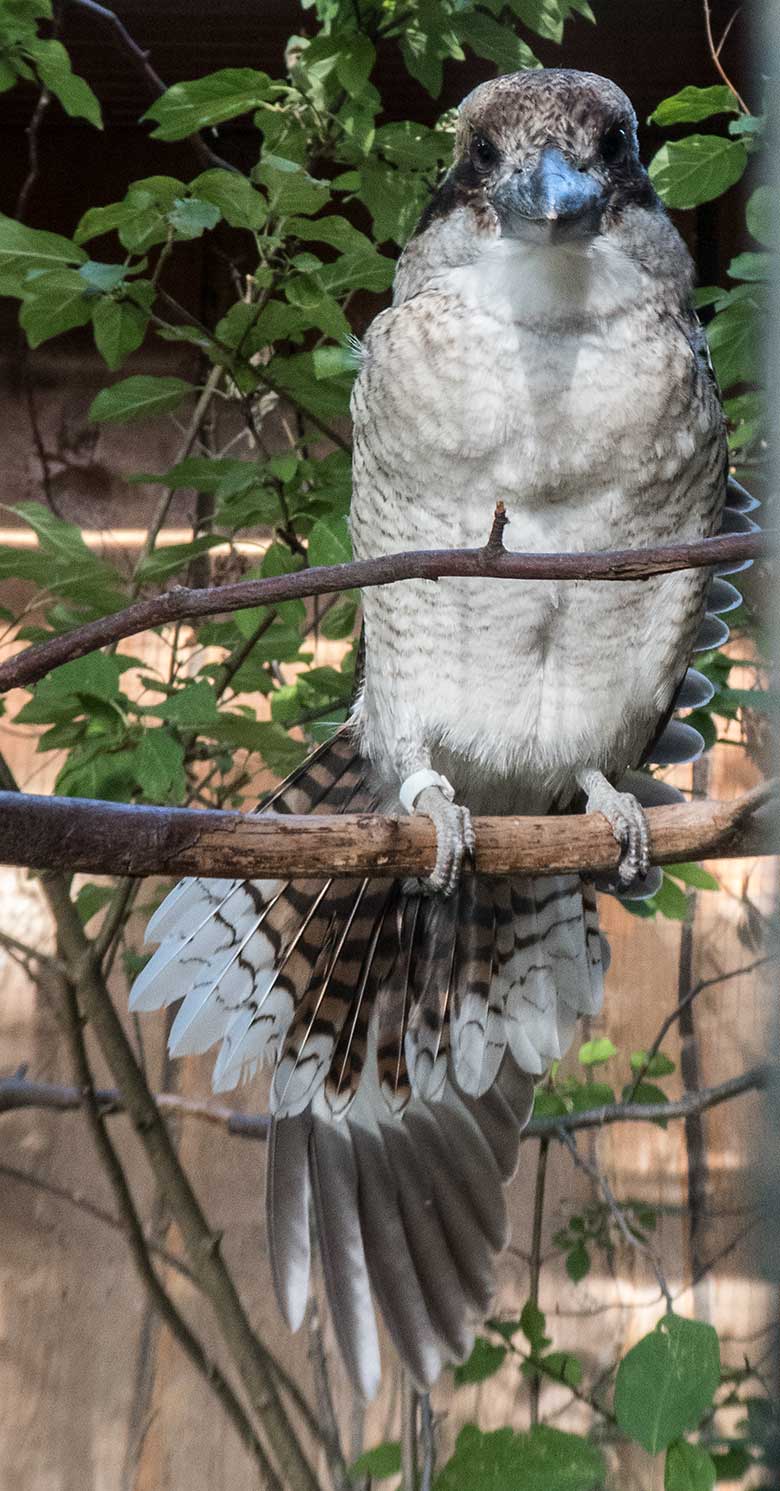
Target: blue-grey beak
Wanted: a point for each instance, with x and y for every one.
(554, 193)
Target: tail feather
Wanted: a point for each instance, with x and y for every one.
(398, 1109)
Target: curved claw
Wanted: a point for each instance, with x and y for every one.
(454, 839)
(627, 820)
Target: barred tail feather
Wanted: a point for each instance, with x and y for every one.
(404, 1033)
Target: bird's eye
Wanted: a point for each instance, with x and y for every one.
(483, 152)
(614, 144)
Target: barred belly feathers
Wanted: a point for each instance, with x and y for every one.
(541, 349)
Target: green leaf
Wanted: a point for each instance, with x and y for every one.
(692, 104)
(53, 67)
(692, 875)
(172, 557)
(188, 107)
(235, 197)
(671, 901)
(548, 1104)
(499, 44)
(191, 217)
(667, 1382)
(533, 1324)
(329, 542)
(762, 215)
(91, 899)
(751, 266)
(280, 753)
(595, 1051)
(54, 302)
(647, 1092)
(578, 1262)
(592, 1095)
(732, 1464)
(658, 1065)
(139, 397)
(194, 706)
(23, 249)
(484, 1361)
(688, 1467)
(543, 1459)
(290, 188)
(119, 328)
(733, 339)
(339, 621)
(159, 766)
(696, 169)
(563, 1365)
(354, 61)
(380, 1462)
(102, 277)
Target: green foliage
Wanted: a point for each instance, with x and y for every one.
(383, 1461)
(25, 55)
(667, 1382)
(688, 1467)
(544, 1459)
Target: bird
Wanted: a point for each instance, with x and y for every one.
(542, 351)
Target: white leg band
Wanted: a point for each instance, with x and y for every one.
(417, 783)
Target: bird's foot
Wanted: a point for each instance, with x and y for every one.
(454, 839)
(627, 820)
(429, 793)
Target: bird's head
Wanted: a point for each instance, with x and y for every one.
(548, 154)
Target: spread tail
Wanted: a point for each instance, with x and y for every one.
(404, 1033)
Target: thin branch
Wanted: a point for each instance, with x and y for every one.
(427, 1443)
(82, 1203)
(17, 1091)
(699, 988)
(489, 562)
(107, 838)
(328, 1422)
(597, 1175)
(715, 52)
(201, 1243)
(536, 1256)
(409, 1401)
(206, 156)
(139, 1250)
(33, 163)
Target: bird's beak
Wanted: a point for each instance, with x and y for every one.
(554, 196)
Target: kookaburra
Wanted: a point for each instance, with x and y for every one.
(541, 350)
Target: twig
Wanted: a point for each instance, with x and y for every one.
(107, 838)
(202, 1245)
(409, 1400)
(33, 166)
(601, 1182)
(328, 1423)
(141, 59)
(699, 988)
(17, 1091)
(28, 666)
(715, 52)
(427, 1443)
(536, 1256)
(131, 1225)
(82, 1203)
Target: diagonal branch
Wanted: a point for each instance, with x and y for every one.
(490, 562)
(106, 838)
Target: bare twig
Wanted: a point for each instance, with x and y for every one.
(535, 1269)
(715, 52)
(328, 1423)
(33, 164)
(28, 666)
(602, 1184)
(409, 1402)
(82, 1203)
(106, 838)
(427, 1443)
(206, 156)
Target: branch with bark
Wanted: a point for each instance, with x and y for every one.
(492, 561)
(106, 838)
(17, 1091)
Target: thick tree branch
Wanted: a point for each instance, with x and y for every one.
(106, 838)
(490, 562)
(17, 1092)
(201, 1243)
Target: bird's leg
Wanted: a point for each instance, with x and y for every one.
(627, 820)
(429, 793)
